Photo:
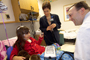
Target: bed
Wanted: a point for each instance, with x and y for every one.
(11, 41)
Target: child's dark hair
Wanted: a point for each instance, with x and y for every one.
(20, 31)
(24, 54)
(34, 57)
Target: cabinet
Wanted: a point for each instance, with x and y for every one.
(24, 6)
(28, 4)
(35, 5)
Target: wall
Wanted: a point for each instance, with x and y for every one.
(10, 27)
(9, 11)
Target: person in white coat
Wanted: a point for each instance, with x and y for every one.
(79, 13)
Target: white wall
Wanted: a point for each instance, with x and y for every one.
(57, 8)
(10, 27)
(9, 11)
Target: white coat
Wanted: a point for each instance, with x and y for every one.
(82, 47)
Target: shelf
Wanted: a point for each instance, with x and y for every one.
(22, 6)
(8, 22)
(30, 21)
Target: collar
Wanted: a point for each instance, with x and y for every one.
(50, 14)
(86, 15)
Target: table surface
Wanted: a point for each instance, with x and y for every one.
(70, 47)
(68, 35)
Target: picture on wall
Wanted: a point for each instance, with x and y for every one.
(65, 8)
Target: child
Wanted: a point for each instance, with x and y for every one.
(24, 54)
(34, 57)
(27, 43)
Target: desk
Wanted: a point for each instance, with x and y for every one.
(68, 47)
(69, 36)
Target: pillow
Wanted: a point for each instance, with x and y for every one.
(11, 41)
(2, 50)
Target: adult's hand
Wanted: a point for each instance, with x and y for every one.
(49, 28)
(53, 25)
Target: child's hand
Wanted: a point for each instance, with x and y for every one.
(18, 58)
(42, 34)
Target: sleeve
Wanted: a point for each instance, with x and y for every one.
(40, 40)
(83, 42)
(37, 41)
(58, 23)
(14, 52)
(42, 28)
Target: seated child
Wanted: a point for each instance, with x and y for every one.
(27, 43)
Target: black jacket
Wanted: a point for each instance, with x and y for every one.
(50, 37)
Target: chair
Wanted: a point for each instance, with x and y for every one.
(61, 38)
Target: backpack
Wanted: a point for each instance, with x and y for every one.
(2, 50)
(67, 56)
(9, 50)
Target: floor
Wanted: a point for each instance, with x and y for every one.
(68, 46)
